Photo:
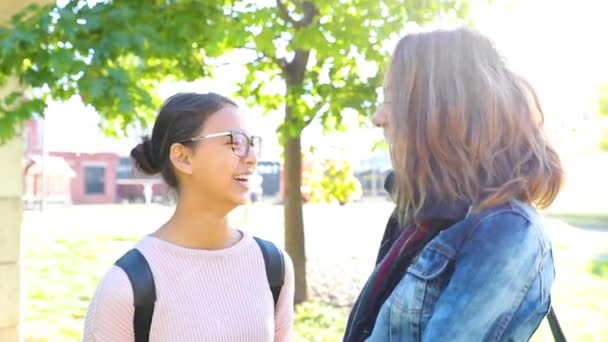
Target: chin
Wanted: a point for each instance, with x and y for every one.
(240, 200)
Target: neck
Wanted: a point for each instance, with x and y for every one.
(198, 226)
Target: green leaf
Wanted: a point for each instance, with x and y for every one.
(115, 53)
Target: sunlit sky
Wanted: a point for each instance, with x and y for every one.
(560, 46)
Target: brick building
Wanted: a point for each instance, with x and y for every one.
(82, 178)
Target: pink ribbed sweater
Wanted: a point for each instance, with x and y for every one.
(202, 295)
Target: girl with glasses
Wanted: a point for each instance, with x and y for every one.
(205, 280)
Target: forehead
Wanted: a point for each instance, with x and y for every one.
(228, 118)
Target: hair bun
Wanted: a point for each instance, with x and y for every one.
(144, 157)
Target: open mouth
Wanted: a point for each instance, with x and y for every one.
(243, 179)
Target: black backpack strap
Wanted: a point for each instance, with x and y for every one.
(556, 329)
(138, 270)
(275, 266)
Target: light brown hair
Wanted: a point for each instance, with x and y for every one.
(464, 126)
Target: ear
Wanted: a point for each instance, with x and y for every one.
(181, 158)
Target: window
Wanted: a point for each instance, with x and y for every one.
(94, 180)
(124, 169)
(268, 168)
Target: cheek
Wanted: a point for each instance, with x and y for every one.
(215, 166)
(390, 128)
(388, 117)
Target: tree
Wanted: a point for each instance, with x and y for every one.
(333, 180)
(325, 53)
(112, 54)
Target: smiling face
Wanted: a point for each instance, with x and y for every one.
(220, 159)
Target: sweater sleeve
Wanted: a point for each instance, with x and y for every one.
(110, 313)
(284, 314)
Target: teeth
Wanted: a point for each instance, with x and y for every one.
(242, 178)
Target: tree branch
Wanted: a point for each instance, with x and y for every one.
(315, 110)
(310, 11)
(285, 13)
(262, 55)
(297, 68)
(294, 71)
(259, 58)
(281, 62)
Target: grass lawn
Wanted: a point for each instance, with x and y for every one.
(66, 252)
(597, 221)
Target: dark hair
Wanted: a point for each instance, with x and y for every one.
(179, 119)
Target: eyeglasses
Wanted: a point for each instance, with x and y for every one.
(241, 143)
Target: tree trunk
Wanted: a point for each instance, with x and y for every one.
(294, 220)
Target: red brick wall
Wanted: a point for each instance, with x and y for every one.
(31, 129)
(78, 162)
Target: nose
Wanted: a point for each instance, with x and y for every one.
(379, 118)
(251, 158)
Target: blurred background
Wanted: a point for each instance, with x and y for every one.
(80, 82)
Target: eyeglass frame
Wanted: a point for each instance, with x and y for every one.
(250, 140)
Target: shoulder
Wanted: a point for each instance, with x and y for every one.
(288, 263)
(515, 229)
(111, 309)
(114, 289)
(285, 258)
(511, 219)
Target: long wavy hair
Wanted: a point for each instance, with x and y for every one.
(464, 126)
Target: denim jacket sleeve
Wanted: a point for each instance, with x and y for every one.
(493, 271)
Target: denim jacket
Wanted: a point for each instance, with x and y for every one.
(486, 278)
